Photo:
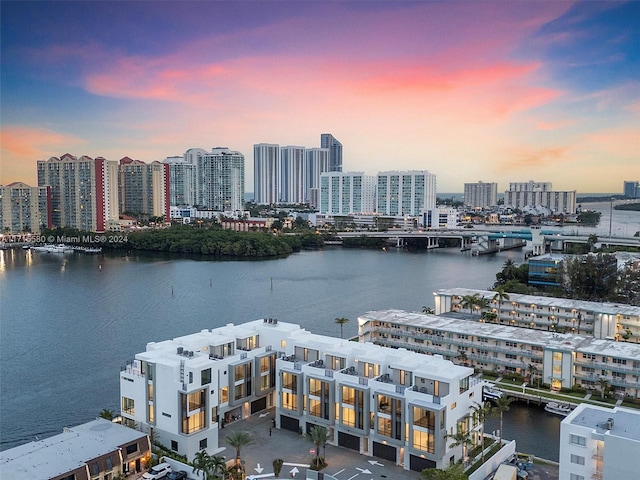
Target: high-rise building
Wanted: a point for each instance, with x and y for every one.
(221, 180)
(182, 181)
(599, 443)
(555, 201)
(292, 175)
(529, 186)
(84, 191)
(335, 151)
(480, 195)
(144, 188)
(405, 193)
(347, 193)
(266, 173)
(631, 189)
(24, 208)
(317, 162)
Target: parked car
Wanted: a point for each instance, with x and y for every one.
(159, 471)
(181, 475)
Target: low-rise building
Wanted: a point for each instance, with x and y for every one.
(599, 443)
(393, 404)
(98, 449)
(606, 320)
(559, 360)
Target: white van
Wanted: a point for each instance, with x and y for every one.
(159, 471)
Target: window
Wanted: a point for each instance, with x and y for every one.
(133, 448)
(95, 470)
(203, 444)
(205, 377)
(174, 445)
(109, 463)
(575, 476)
(577, 459)
(128, 406)
(577, 440)
(224, 394)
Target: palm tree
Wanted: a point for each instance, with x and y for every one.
(318, 436)
(341, 322)
(461, 437)
(502, 405)
(604, 387)
(481, 411)
(469, 301)
(533, 373)
(202, 463)
(462, 356)
(499, 296)
(106, 414)
(509, 270)
(428, 310)
(238, 440)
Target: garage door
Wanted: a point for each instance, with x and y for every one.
(349, 441)
(289, 423)
(384, 451)
(258, 405)
(418, 464)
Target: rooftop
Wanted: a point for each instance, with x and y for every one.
(72, 448)
(618, 421)
(566, 303)
(561, 341)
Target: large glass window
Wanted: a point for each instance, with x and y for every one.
(205, 377)
(128, 406)
(290, 401)
(424, 441)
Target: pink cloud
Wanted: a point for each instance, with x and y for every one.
(22, 146)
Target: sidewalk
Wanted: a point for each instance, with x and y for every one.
(271, 443)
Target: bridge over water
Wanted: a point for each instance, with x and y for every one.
(488, 241)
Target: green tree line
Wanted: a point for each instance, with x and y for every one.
(206, 241)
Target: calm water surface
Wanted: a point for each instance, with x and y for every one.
(68, 322)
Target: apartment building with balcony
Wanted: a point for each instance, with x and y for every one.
(559, 360)
(24, 208)
(599, 443)
(393, 404)
(83, 191)
(605, 320)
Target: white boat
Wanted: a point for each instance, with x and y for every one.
(563, 409)
(88, 250)
(490, 393)
(50, 248)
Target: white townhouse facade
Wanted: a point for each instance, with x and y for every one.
(393, 404)
(600, 443)
(560, 360)
(617, 321)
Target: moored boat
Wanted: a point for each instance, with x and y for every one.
(563, 409)
(490, 393)
(50, 248)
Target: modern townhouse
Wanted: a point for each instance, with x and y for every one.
(389, 403)
(605, 320)
(559, 360)
(599, 443)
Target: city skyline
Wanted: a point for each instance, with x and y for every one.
(470, 91)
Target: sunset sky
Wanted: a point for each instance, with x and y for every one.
(469, 90)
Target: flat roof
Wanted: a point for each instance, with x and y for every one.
(626, 422)
(65, 452)
(566, 303)
(558, 341)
